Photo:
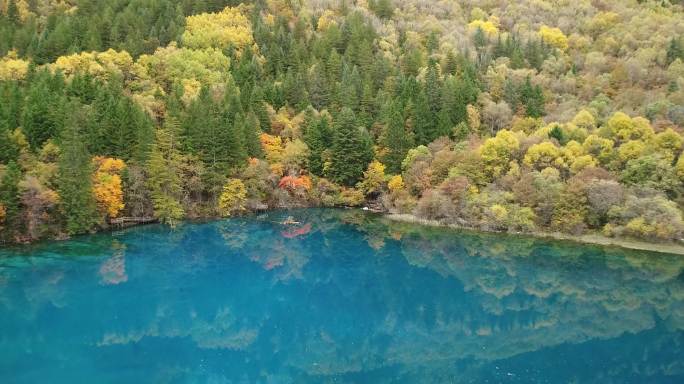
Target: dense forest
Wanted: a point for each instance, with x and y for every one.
(527, 115)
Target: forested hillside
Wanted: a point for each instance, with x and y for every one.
(526, 115)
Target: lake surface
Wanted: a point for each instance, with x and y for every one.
(341, 297)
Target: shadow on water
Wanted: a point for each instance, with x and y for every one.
(320, 295)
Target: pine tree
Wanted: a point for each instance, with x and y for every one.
(250, 132)
(9, 150)
(230, 144)
(424, 120)
(259, 109)
(164, 174)
(318, 87)
(9, 193)
(74, 176)
(396, 140)
(351, 150)
(433, 87)
(317, 138)
(675, 50)
(533, 99)
(13, 12)
(38, 121)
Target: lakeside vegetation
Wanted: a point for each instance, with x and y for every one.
(528, 116)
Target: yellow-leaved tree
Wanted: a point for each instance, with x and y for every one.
(98, 64)
(107, 185)
(373, 178)
(554, 37)
(13, 68)
(233, 197)
(496, 153)
(489, 27)
(224, 29)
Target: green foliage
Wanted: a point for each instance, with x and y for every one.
(396, 140)
(351, 150)
(653, 171)
(164, 174)
(74, 184)
(9, 192)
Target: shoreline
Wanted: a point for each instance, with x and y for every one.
(590, 238)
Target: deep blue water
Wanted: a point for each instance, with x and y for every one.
(343, 297)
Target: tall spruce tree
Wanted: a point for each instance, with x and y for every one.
(38, 120)
(250, 133)
(74, 176)
(351, 150)
(533, 99)
(164, 167)
(9, 194)
(396, 140)
(317, 137)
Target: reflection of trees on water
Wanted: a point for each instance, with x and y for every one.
(356, 295)
(113, 270)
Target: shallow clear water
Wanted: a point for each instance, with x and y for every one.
(342, 297)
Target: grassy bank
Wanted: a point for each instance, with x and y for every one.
(590, 238)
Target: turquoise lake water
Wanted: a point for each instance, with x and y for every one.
(341, 297)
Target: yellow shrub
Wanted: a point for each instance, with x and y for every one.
(554, 37)
(396, 183)
(488, 27)
(12, 68)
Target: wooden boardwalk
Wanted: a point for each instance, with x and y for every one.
(131, 220)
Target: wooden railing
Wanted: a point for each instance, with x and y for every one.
(131, 220)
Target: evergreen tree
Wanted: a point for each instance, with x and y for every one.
(230, 142)
(9, 150)
(74, 176)
(533, 99)
(259, 109)
(250, 132)
(9, 194)
(351, 150)
(13, 12)
(40, 117)
(675, 50)
(318, 87)
(317, 137)
(396, 140)
(164, 180)
(424, 120)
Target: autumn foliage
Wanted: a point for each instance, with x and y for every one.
(293, 183)
(107, 185)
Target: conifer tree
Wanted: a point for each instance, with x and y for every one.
(230, 135)
(9, 193)
(250, 132)
(317, 138)
(13, 12)
(74, 183)
(164, 174)
(351, 149)
(38, 123)
(424, 120)
(396, 140)
(533, 99)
